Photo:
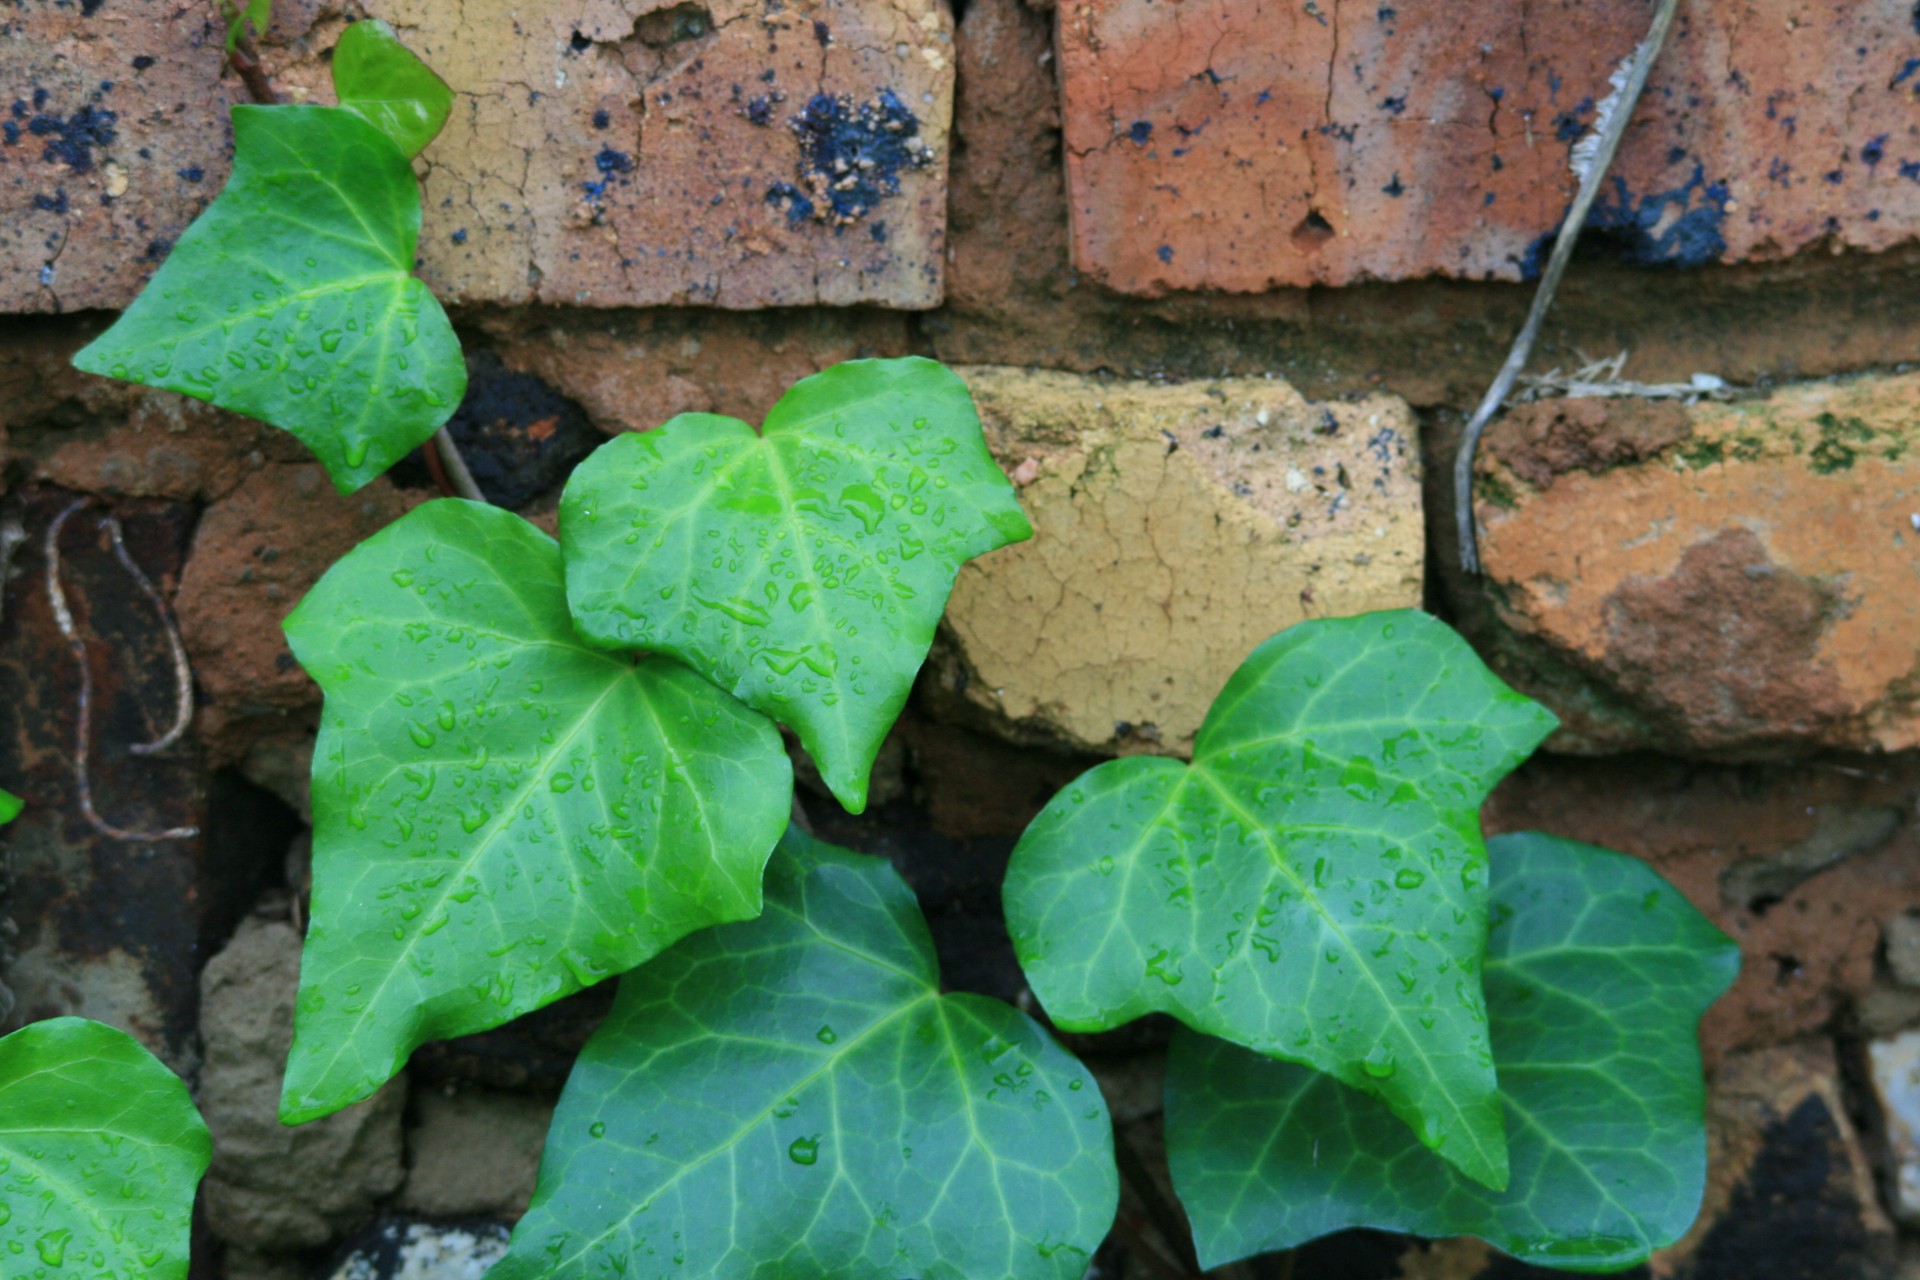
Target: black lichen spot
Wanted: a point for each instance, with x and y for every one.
(879, 232)
(1647, 231)
(1141, 131)
(1165, 253)
(1568, 126)
(822, 33)
(11, 131)
(601, 118)
(760, 110)
(1875, 151)
(793, 200)
(611, 161)
(192, 173)
(851, 157)
(142, 62)
(1394, 106)
(55, 203)
(1396, 188)
(71, 140)
(90, 7)
(460, 236)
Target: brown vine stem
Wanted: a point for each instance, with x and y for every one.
(457, 473)
(1617, 111)
(83, 732)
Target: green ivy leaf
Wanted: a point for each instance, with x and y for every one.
(793, 1098)
(1313, 886)
(291, 298)
(10, 806)
(502, 816)
(1597, 974)
(380, 79)
(805, 568)
(101, 1149)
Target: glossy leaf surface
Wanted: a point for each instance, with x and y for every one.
(10, 806)
(1597, 974)
(100, 1152)
(502, 816)
(793, 1098)
(292, 299)
(380, 79)
(1313, 886)
(805, 568)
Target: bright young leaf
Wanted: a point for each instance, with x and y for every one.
(292, 299)
(1597, 974)
(10, 806)
(1313, 886)
(794, 1098)
(100, 1151)
(381, 80)
(804, 568)
(502, 816)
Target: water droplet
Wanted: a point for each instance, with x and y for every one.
(826, 1035)
(804, 1150)
(1379, 1062)
(1408, 878)
(598, 1129)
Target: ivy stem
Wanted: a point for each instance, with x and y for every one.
(457, 473)
(1613, 130)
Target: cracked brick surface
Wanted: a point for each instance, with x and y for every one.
(113, 136)
(1242, 145)
(733, 153)
(1175, 528)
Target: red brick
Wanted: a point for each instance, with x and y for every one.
(1242, 145)
(613, 153)
(116, 136)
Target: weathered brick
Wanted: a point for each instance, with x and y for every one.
(739, 153)
(113, 136)
(1176, 528)
(1246, 144)
(1729, 579)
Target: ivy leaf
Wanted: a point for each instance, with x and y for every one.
(793, 1098)
(380, 79)
(1313, 886)
(291, 298)
(10, 806)
(101, 1150)
(1597, 974)
(803, 569)
(502, 816)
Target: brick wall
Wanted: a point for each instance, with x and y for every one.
(1225, 276)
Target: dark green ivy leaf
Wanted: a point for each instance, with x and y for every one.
(292, 298)
(502, 815)
(381, 80)
(804, 568)
(1313, 886)
(794, 1098)
(100, 1151)
(1597, 974)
